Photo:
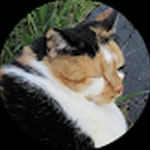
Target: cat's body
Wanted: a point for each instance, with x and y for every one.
(75, 73)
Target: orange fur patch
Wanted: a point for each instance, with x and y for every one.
(108, 95)
(28, 52)
(104, 15)
(1, 72)
(74, 71)
(49, 33)
(101, 32)
(26, 56)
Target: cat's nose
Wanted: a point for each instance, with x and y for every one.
(118, 89)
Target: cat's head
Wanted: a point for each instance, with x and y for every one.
(86, 59)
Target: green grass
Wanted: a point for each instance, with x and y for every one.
(130, 96)
(59, 14)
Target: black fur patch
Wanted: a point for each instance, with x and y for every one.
(39, 47)
(41, 116)
(82, 38)
(26, 68)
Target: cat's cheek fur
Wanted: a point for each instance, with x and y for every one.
(96, 87)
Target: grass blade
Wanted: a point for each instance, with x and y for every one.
(83, 10)
(8, 51)
(35, 28)
(17, 48)
(118, 100)
(64, 10)
(42, 12)
(96, 3)
(27, 37)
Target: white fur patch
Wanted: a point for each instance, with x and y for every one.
(103, 124)
(62, 44)
(107, 54)
(95, 88)
(121, 74)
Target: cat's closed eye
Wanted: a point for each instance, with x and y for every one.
(121, 68)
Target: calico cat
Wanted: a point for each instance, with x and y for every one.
(61, 88)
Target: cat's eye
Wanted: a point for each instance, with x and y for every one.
(121, 68)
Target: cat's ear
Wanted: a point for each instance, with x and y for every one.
(54, 42)
(107, 19)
